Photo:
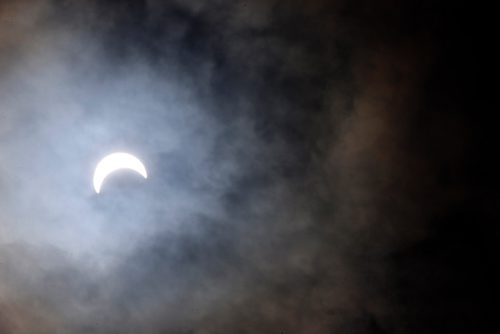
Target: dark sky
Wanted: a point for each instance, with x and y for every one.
(314, 167)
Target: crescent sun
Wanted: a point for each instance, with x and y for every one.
(114, 162)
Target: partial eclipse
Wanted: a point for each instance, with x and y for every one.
(114, 162)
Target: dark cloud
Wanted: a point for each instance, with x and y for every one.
(308, 167)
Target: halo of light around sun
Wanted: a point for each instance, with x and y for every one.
(114, 162)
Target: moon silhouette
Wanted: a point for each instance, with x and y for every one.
(114, 162)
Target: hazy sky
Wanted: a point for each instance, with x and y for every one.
(308, 167)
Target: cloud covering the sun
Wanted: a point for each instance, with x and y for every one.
(281, 156)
